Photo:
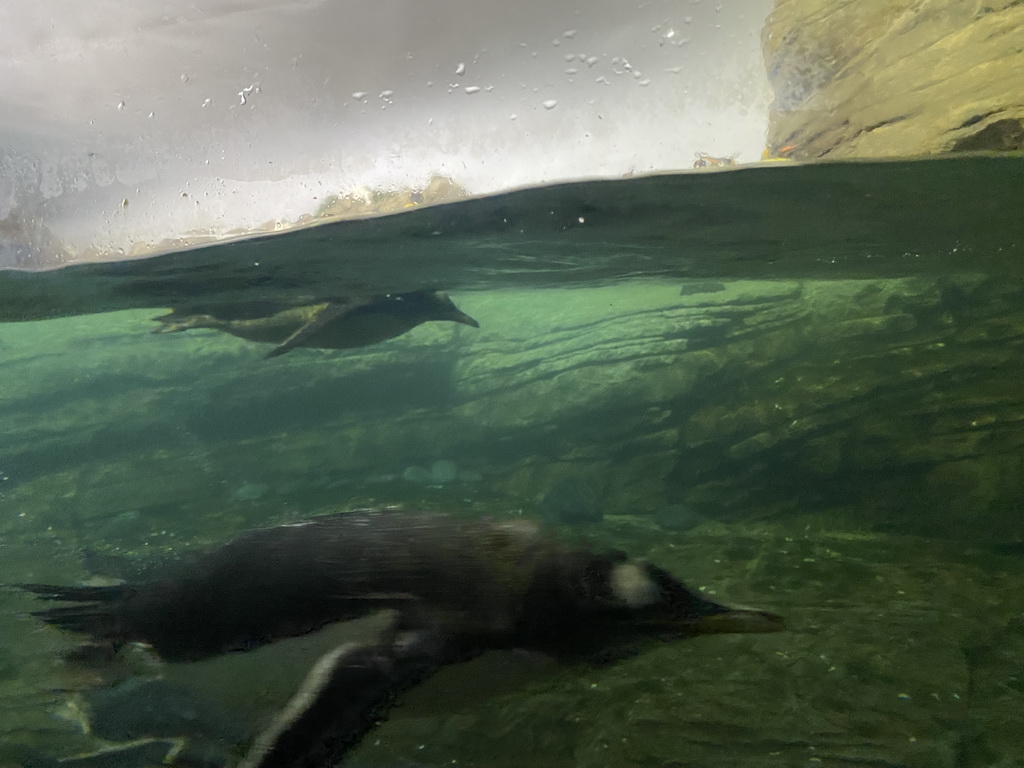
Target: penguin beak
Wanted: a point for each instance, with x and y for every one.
(461, 317)
(738, 620)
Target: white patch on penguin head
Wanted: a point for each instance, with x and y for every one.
(632, 585)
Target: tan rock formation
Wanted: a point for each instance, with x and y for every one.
(895, 78)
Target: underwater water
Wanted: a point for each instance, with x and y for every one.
(794, 387)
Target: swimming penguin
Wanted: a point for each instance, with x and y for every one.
(454, 587)
(329, 324)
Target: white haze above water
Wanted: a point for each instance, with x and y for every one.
(125, 124)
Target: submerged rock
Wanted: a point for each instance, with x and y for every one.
(444, 471)
(571, 501)
(677, 517)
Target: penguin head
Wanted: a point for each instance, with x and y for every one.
(428, 305)
(655, 603)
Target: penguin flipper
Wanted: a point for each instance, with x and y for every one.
(346, 694)
(326, 314)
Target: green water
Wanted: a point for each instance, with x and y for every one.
(795, 387)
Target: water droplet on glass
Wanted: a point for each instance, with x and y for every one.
(570, 57)
(120, 106)
(591, 61)
(387, 94)
(472, 88)
(249, 89)
(184, 77)
(359, 95)
(571, 71)
(513, 116)
(549, 104)
(207, 102)
(687, 19)
(674, 70)
(150, 115)
(556, 42)
(645, 82)
(569, 34)
(460, 70)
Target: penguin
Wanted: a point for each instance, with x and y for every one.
(453, 587)
(328, 324)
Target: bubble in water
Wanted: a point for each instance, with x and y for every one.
(549, 104)
(472, 88)
(461, 69)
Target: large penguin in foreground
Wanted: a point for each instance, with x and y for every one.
(456, 587)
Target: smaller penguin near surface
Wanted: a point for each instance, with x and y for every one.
(455, 587)
(324, 324)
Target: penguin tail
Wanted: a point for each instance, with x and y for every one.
(95, 615)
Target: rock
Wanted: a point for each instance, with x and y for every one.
(677, 517)
(890, 78)
(417, 475)
(250, 491)
(443, 471)
(572, 500)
